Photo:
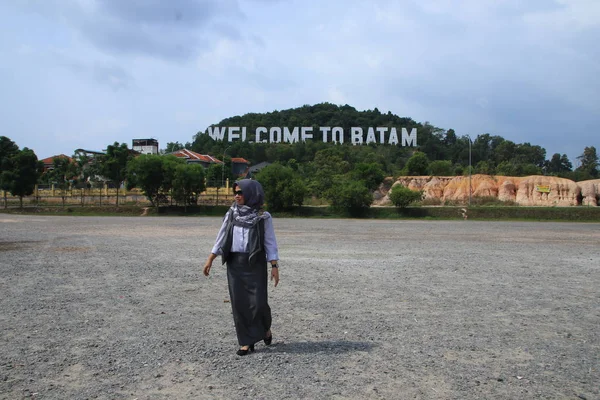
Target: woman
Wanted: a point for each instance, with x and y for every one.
(246, 242)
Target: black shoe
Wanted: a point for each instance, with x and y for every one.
(268, 340)
(243, 352)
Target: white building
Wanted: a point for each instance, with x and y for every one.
(145, 146)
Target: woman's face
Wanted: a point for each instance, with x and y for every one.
(238, 196)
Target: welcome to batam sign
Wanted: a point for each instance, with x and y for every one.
(358, 136)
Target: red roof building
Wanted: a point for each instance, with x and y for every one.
(192, 157)
(49, 162)
(206, 159)
(239, 166)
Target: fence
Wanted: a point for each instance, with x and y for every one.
(106, 195)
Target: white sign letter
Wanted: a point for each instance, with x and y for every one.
(275, 134)
(259, 130)
(232, 133)
(337, 135)
(382, 131)
(290, 137)
(371, 135)
(408, 139)
(216, 133)
(393, 137)
(325, 130)
(305, 133)
(357, 135)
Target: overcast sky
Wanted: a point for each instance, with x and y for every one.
(87, 73)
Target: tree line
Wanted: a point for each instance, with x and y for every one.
(444, 152)
(156, 175)
(343, 175)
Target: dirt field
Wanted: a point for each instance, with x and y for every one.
(117, 308)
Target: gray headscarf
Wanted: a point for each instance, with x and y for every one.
(254, 196)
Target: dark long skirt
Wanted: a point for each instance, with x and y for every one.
(248, 293)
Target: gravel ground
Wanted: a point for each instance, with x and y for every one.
(117, 308)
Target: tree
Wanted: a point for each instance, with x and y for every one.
(528, 169)
(87, 167)
(173, 147)
(8, 149)
(24, 174)
(458, 169)
(214, 175)
(511, 168)
(417, 164)
(350, 196)
(450, 139)
(402, 196)
(188, 183)
(370, 173)
(504, 151)
(431, 142)
(328, 166)
(558, 164)
(483, 167)
(589, 162)
(529, 154)
(506, 168)
(283, 187)
(113, 165)
(62, 174)
(203, 143)
(146, 172)
(169, 166)
(441, 168)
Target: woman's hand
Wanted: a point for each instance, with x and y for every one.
(275, 275)
(208, 264)
(207, 267)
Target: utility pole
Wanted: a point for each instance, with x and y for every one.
(222, 173)
(470, 171)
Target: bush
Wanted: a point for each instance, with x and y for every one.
(283, 187)
(432, 201)
(352, 197)
(441, 168)
(417, 164)
(402, 196)
(491, 201)
(371, 174)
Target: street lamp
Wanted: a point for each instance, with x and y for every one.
(223, 167)
(469, 171)
(222, 173)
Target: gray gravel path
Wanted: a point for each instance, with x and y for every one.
(117, 308)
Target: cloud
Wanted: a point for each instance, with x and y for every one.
(174, 30)
(112, 75)
(523, 70)
(567, 15)
(171, 30)
(105, 73)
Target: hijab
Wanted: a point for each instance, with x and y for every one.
(250, 213)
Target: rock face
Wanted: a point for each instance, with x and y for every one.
(547, 191)
(381, 194)
(434, 188)
(507, 191)
(527, 191)
(590, 192)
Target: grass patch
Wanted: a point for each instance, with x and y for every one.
(122, 210)
(483, 212)
(487, 212)
(433, 201)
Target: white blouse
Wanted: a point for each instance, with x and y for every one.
(240, 238)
